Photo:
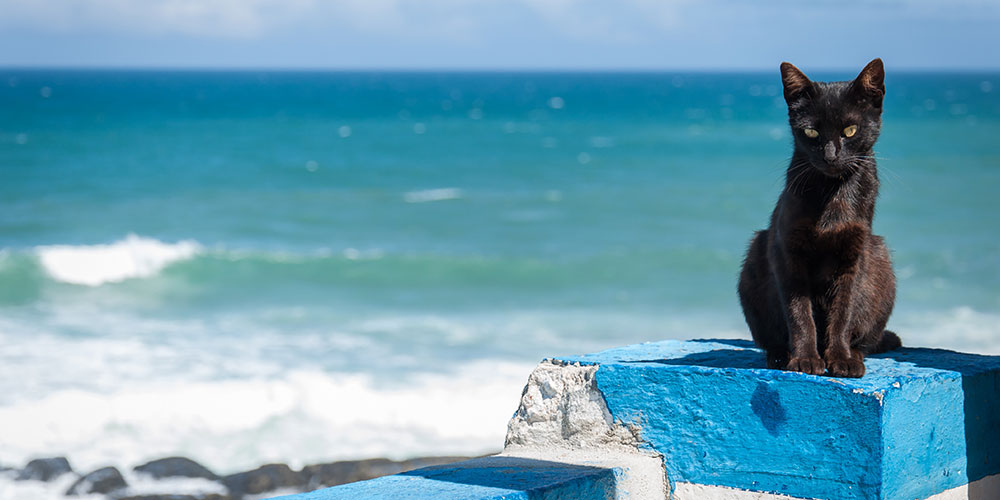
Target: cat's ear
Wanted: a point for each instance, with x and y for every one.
(796, 83)
(870, 84)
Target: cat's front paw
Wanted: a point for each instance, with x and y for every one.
(811, 365)
(851, 367)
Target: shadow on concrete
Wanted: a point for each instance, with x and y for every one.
(766, 404)
(721, 358)
(738, 343)
(536, 478)
(743, 356)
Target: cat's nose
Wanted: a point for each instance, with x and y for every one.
(830, 152)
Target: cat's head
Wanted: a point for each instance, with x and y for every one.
(835, 124)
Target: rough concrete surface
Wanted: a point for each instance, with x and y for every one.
(562, 407)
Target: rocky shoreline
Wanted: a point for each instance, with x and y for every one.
(180, 478)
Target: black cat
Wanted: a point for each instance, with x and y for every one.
(817, 280)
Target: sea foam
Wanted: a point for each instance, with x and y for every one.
(94, 265)
(427, 195)
(299, 417)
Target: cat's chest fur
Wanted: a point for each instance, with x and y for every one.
(825, 233)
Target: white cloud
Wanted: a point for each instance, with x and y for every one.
(458, 19)
(221, 18)
(435, 19)
(623, 21)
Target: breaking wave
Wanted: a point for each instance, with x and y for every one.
(299, 417)
(132, 257)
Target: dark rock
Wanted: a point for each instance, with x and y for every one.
(336, 473)
(208, 496)
(45, 469)
(420, 463)
(176, 467)
(263, 479)
(103, 480)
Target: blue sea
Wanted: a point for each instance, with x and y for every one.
(243, 267)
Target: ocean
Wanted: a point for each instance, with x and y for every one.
(257, 266)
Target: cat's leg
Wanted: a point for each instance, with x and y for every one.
(795, 305)
(758, 299)
(802, 333)
(848, 312)
(842, 359)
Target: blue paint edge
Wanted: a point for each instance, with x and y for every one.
(470, 480)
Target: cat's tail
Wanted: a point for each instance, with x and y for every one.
(888, 342)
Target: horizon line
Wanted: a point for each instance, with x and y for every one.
(476, 69)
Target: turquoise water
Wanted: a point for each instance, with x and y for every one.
(249, 233)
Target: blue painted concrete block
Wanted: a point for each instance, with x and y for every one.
(921, 421)
(489, 478)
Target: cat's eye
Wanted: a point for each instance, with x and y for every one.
(810, 133)
(850, 131)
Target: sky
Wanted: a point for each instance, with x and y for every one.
(500, 34)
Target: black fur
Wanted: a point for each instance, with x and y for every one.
(817, 280)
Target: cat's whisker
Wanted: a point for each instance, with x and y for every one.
(801, 169)
(783, 167)
(893, 176)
